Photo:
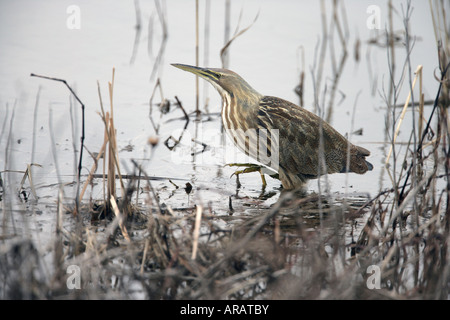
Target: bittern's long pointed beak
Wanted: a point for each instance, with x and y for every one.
(205, 73)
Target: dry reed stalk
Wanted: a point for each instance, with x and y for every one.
(28, 175)
(35, 113)
(337, 72)
(113, 162)
(105, 122)
(111, 181)
(224, 51)
(113, 150)
(299, 89)
(319, 74)
(405, 108)
(206, 51)
(111, 146)
(196, 234)
(144, 255)
(162, 15)
(225, 57)
(138, 28)
(391, 46)
(58, 243)
(105, 119)
(197, 59)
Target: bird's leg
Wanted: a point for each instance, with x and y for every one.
(250, 167)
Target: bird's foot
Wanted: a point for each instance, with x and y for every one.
(251, 167)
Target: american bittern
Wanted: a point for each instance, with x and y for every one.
(289, 139)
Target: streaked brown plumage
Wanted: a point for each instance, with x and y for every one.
(247, 113)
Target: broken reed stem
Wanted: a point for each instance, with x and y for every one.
(186, 117)
(120, 218)
(111, 149)
(82, 133)
(94, 168)
(109, 136)
(113, 162)
(418, 74)
(28, 175)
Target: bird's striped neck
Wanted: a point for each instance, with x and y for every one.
(236, 110)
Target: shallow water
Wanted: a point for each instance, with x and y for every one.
(35, 38)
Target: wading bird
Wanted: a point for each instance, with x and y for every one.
(293, 141)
